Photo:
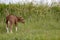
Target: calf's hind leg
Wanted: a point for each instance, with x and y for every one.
(7, 28)
(11, 28)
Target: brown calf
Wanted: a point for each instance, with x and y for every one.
(12, 19)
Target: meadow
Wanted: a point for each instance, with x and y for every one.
(41, 22)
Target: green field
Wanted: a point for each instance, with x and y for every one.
(41, 22)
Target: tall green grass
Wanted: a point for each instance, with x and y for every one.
(41, 22)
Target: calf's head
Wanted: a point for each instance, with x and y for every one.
(21, 19)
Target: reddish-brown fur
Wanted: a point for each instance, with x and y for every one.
(12, 19)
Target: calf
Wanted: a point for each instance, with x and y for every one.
(12, 19)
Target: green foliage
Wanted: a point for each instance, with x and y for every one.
(41, 22)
